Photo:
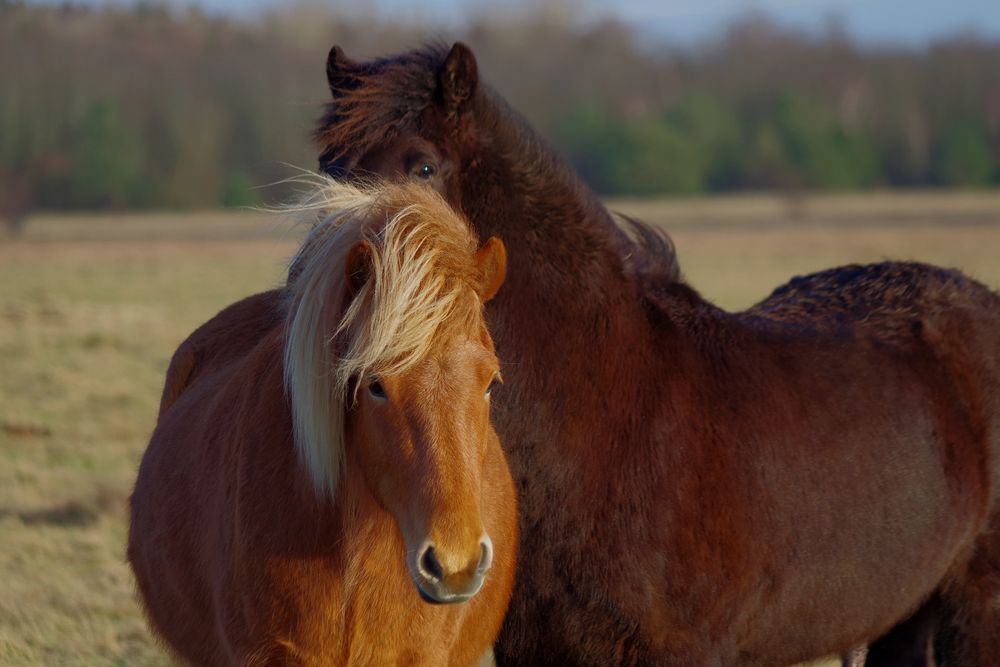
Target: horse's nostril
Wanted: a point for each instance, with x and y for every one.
(486, 559)
(429, 563)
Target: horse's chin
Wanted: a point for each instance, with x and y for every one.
(435, 592)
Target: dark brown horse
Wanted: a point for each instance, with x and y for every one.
(315, 528)
(700, 487)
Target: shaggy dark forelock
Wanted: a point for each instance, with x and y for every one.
(374, 101)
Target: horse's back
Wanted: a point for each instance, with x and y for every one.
(229, 335)
(909, 306)
(913, 309)
(889, 301)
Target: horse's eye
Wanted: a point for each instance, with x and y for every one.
(496, 382)
(426, 170)
(376, 389)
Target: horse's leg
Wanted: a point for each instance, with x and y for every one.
(487, 659)
(909, 643)
(854, 657)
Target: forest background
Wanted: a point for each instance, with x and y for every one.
(153, 107)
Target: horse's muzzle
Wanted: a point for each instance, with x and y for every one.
(438, 585)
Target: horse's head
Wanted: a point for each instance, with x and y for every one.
(406, 117)
(422, 436)
(412, 368)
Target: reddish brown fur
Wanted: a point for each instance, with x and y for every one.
(698, 487)
(237, 559)
(228, 336)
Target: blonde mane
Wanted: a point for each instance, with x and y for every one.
(420, 285)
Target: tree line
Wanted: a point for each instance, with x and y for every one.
(147, 107)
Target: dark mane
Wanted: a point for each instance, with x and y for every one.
(655, 256)
(648, 251)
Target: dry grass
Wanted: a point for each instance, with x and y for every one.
(91, 309)
(86, 331)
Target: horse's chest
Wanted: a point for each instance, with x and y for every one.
(382, 632)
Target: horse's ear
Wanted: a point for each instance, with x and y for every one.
(459, 76)
(491, 262)
(357, 267)
(338, 70)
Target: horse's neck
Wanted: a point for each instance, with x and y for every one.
(564, 248)
(574, 321)
(569, 321)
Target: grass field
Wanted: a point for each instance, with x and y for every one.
(91, 309)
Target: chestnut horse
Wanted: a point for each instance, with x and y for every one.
(700, 487)
(315, 526)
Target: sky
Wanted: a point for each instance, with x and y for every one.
(900, 22)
